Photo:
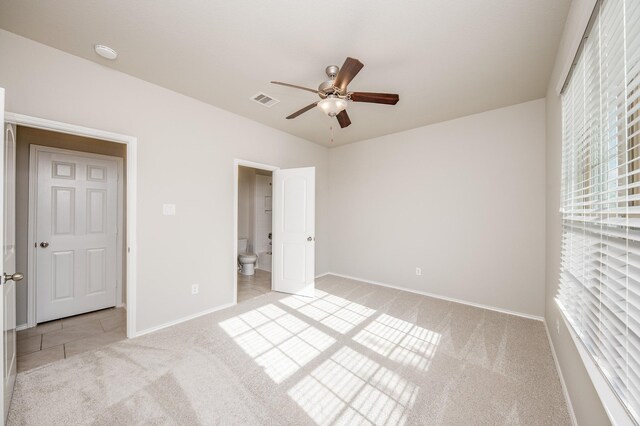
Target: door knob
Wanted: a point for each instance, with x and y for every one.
(309, 238)
(13, 277)
(44, 244)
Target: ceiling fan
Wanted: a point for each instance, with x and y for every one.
(334, 94)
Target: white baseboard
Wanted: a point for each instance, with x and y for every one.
(437, 296)
(322, 275)
(565, 391)
(181, 320)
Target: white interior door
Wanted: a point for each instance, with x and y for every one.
(9, 276)
(294, 206)
(76, 234)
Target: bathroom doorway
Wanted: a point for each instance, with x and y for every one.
(290, 208)
(254, 223)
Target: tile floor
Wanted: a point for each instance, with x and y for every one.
(250, 286)
(54, 340)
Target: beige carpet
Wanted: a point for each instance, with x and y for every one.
(357, 354)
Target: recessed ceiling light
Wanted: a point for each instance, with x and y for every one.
(105, 51)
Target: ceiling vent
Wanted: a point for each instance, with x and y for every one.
(264, 99)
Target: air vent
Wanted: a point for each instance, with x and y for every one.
(264, 99)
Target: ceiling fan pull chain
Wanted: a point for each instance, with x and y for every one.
(331, 130)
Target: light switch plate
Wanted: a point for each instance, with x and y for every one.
(169, 209)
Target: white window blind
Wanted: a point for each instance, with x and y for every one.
(600, 275)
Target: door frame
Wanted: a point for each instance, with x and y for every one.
(131, 143)
(8, 322)
(236, 167)
(33, 221)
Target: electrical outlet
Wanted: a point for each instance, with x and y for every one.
(418, 271)
(195, 288)
(558, 326)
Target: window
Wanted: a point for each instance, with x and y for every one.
(599, 290)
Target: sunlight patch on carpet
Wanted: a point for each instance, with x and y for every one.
(335, 312)
(400, 341)
(350, 388)
(277, 341)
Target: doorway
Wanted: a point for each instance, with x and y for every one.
(70, 191)
(254, 229)
(292, 242)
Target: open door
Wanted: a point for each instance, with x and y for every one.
(8, 277)
(294, 195)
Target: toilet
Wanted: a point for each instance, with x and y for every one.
(246, 261)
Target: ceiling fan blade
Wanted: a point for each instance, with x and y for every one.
(296, 87)
(376, 98)
(302, 111)
(343, 118)
(350, 69)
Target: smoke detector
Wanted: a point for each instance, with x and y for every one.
(105, 51)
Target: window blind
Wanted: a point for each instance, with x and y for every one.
(599, 290)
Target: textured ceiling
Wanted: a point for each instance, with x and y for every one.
(445, 59)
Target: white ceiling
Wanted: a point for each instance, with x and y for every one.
(444, 58)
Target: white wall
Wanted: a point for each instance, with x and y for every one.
(185, 156)
(586, 403)
(263, 214)
(463, 200)
(246, 201)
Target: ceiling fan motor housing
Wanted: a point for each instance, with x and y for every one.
(327, 87)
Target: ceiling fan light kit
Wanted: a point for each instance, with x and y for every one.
(334, 95)
(332, 105)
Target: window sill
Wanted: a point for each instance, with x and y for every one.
(615, 409)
